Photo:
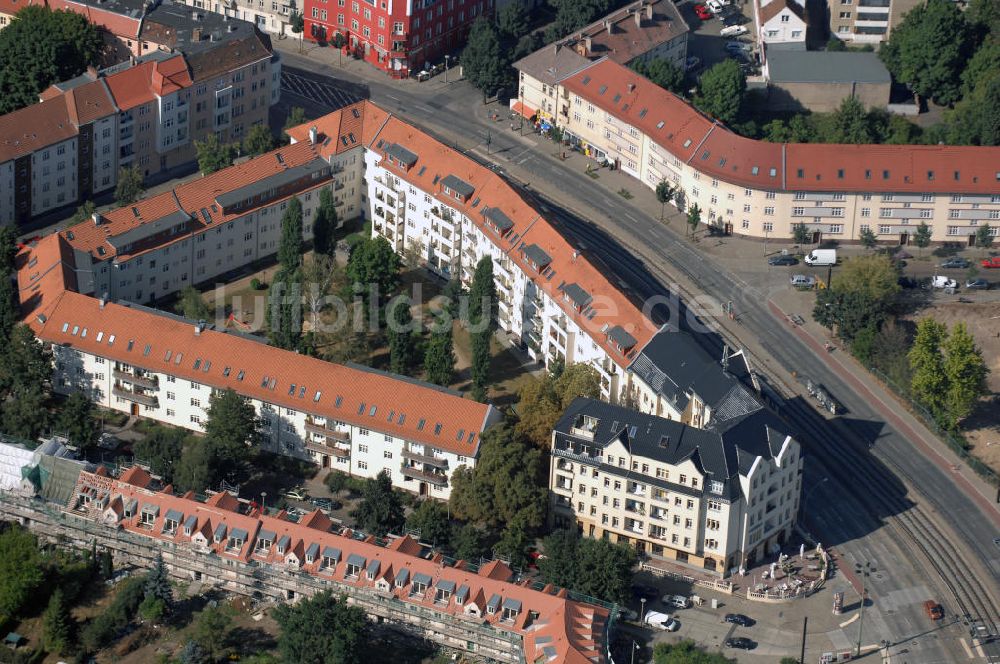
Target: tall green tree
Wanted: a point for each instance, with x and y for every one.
(284, 309)
(232, 427)
(867, 237)
(21, 570)
(922, 236)
(850, 123)
(258, 140)
(439, 358)
(161, 448)
(380, 510)
(720, 91)
(965, 371)
(431, 518)
(515, 538)
(483, 310)
(591, 566)
(665, 193)
(694, 217)
(196, 469)
(661, 71)
(801, 234)
(929, 383)
(325, 224)
(158, 583)
(483, 63)
(401, 332)
(212, 629)
(9, 313)
(213, 154)
(512, 19)
(984, 236)
(928, 50)
(322, 630)
(296, 116)
(130, 185)
(541, 401)
(41, 47)
(57, 625)
(687, 652)
(290, 244)
(192, 305)
(373, 261)
(571, 15)
(77, 420)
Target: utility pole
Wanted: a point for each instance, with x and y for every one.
(446, 58)
(865, 570)
(802, 654)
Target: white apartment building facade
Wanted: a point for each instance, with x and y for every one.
(273, 16)
(716, 500)
(763, 190)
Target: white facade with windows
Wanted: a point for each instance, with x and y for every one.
(54, 176)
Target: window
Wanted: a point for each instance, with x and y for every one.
(769, 210)
(196, 403)
(362, 465)
(768, 227)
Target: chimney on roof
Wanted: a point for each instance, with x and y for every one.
(608, 25)
(313, 135)
(92, 72)
(589, 42)
(98, 219)
(103, 300)
(198, 327)
(576, 255)
(638, 18)
(631, 87)
(649, 12)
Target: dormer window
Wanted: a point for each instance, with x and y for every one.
(457, 188)
(493, 605)
(331, 557)
(355, 564)
(511, 608)
(372, 570)
(265, 540)
(189, 525)
(172, 519)
(237, 538)
(402, 578)
(220, 533)
(537, 257)
(420, 584)
(283, 544)
(443, 591)
(311, 553)
(462, 595)
(149, 514)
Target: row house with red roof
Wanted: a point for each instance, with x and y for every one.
(484, 610)
(760, 189)
(399, 37)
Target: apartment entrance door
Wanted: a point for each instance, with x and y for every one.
(817, 236)
(135, 410)
(904, 239)
(423, 488)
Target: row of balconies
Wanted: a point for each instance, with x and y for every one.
(313, 426)
(416, 473)
(438, 462)
(147, 382)
(120, 390)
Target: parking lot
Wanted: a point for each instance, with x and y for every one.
(705, 41)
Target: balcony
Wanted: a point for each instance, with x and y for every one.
(412, 472)
(137, 397)
(327, 448)
(635, 508)
(438, 462)
(326, 430)
(149, 383)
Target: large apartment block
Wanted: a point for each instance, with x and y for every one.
(761, 189)
(485, 611)
(400, 37)
(866, 21)
(717, 499)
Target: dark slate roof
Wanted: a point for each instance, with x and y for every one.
(331, 553)
(458, 185)
(403, 575)
(537, 255)
(673, 364)
(266, 535)
(578, 295)
(401, 154)
(826, 67)
(498, 219)
(220, 531)
(622, 338)
(760, 433)
(422, 579)
(273, 182)
(239, 534)
(446, 586)
(356, 559)
(174, 515)
(284, 542)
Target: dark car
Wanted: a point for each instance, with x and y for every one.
(640, 590)
(955, 263)
(740, 643)
(977, 284)
(739, 619)
(783, 260)
(732, 19)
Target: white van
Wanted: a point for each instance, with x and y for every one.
(821, 257)
(733, 31)
(661, 621)
(714, 5)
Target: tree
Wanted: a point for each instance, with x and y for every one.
(158, 584)
(161, 448)
(965, 372)
(372, 261)
(21, 572)
(57, 625)
(469, 542)
(431, 519)
(665, 193)
(439, 358)
(661, 71)
(867, 237)
(922, 236)
(192, 305)
(480, 368)
(76, 420)
(211, 631)
(875, 276)
(402, 345)
(850, 123)
(801, 234)
(861, 297)
(541, 401)
(213, 155)
(528, 44)
(720, 91)
(296, 116)
(192, 653)
(984, 236)
(83, 213)
(929, 383)
(593, 567)
(41, 47)
(506, 481)
(231, 428)
(26, 362)
(694, 217)
(512, 19)
(686, 652)
(928, 49)
(482, 322)
(322, 630)
(130, 186)
(9, 308)
(572, 15)
(290, 244)
(194, 471)
(483, 64)
(325, 224)
(380, 511)
(284, 310)
(514, 541)
(259, 140)
(296, 21)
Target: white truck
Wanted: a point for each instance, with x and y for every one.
(821, 257)
(661, 621)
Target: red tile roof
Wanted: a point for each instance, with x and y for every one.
(115, 23)
(147, 80)
(773, 8)
(89, 102)
(553, 627)
(33, 128)
(717, 152)
(366, 398)
(44, 270)
(11, 7)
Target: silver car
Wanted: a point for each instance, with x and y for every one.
(802, 281)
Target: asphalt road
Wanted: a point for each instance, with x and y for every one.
(644, 254)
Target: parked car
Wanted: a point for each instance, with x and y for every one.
(739, 619)
(977, 284)
(956, 263)
(933, 610)
(802, 281)
(692, 63)
(939, 281)
(991, 262)
(326, 504)
(783, 260)
(733, 31)
(714, 6)
(702, 12)
(640, 590)
(740, 643)
(661, 621)
(731, 19)
(738, 47)
(678, 601)
(298, 493)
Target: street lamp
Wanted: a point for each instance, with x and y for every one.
(642, 609)
(446, 59)
(263, 501)
(865, 570)
(635, 646)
